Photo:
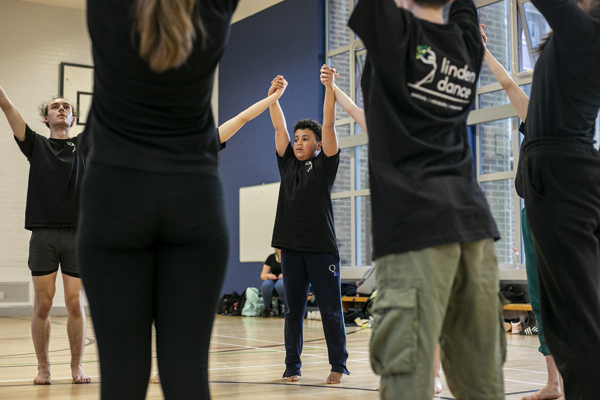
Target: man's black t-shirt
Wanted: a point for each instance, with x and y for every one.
(419, 84)
(565, 92)
(56, 170)
(304, 219)
(275, 265)
(159, 122)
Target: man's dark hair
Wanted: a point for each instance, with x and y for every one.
(431, 3)
(44, 110)
(309, 124)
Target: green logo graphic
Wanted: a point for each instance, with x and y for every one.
(421, 50)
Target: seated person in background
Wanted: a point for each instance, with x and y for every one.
(273, 281)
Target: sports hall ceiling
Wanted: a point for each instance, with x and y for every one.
(245, 8)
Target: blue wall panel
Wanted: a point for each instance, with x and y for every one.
(286, 39)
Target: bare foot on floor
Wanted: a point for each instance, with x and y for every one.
(546, 393)
(155, 379)
(79, 376)
(294, 378)
(437, 385)
(334, 377)
(43, 376)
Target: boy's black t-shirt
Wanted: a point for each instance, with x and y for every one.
(158, 122)
(419, 83)
(56, 169)
(275, 265)
(304, 219)
(565, 92)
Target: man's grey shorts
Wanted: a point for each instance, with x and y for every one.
(49, 247)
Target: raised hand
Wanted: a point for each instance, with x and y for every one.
(278, 85)
(483, 36)
(328, 76)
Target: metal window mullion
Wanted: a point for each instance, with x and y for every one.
(343, 121)
(494, 87)
(484, 3)
(338, 51)
(524, 78)
(514, 41)
(491, 114)
(521, 12)
(342, 195)
(496, 176)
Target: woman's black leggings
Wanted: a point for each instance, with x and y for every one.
(561, 187)
(152, 248)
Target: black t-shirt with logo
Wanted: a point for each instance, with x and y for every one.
(304, 219)
(419, 83)
(56, 170)
(275, 265)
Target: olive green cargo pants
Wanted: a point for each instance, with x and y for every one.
(449, 294)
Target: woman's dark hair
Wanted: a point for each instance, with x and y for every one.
(167, 31)
(309, 124)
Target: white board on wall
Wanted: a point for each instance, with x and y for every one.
(258, 205)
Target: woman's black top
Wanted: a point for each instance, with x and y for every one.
(140, 119)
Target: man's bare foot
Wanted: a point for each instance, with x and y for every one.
(155, 379)
(294, 378)
(43, 376)
(546, 393)
(334, 377)
(79, 376)
(437, 385)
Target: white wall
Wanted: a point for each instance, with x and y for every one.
(34, 40)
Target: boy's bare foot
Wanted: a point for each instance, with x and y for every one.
(155, 379)
(546, 393)
(334, 377)
(437, 385)
(43, 376)
(294, 378)
(79, 376)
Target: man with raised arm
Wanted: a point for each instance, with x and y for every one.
(55, 174)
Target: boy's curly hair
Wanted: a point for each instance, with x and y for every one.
(43, 109)
(309, 124)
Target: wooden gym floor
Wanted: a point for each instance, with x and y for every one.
(246, 363)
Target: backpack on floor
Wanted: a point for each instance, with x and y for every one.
(254, 303)
(366, 285)
(367, 308)
(226, 303)
(513, 293)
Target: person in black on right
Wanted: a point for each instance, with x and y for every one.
(559, 178)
